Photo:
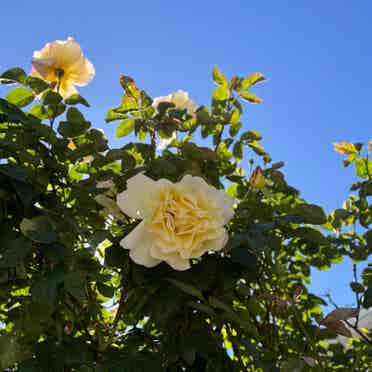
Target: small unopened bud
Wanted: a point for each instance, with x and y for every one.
(125, 80)
(257, 179)
(346, 148)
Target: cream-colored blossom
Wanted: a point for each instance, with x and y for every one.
(180, 99)
(180, 220)
(62, 62)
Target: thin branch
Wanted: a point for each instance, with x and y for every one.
(361, 334)
(356, 294)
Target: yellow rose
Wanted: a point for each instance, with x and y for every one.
(62, 62)
(180, 99)
(346, 148)
(180, 220)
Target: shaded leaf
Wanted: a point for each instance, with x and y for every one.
(39, 229)
(76, 99)
(187, 288)
(310, 213)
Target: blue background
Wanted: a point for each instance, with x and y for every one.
(317, 56)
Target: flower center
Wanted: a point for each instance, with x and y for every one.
(179, 217)
(59, 72)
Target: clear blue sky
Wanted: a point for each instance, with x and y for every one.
(316, 54)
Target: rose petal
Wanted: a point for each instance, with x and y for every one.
(173, 259)
(138, 242)
(82, 72)
(65, 52)
(217, 199)
(178, 263)
(66, 89)
(139, 200)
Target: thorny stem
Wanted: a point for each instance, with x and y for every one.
(356, 294)
(219, 138)
(153, 141)
(59, 73)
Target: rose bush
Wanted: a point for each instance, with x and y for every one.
(180, 259)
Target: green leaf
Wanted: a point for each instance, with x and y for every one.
(250, 97)
(44, 290)
(74, 115)
(38, 111)
(112, 115)
(71, 129)
(368, 237)
(361, 167)
(241, 254)
(357, 287)
(39, 229)
(36, 84)
(367, 302)
(234, 128)
(124, 128)
(75, 284)
(127, 104)
(11, 351)
(76, 99)
(310, 234)
(14, 113)
(292, 364)
(105, 290)
(16, 74)
(115, 256)
(221, 93)
(201, 307)
(187, 288)
(51, 98)
(257, 148)
(252, 80)
(251, 135)
(238, 150)
(20, 96)
(310, 213)
(235, 117)
(218, 304)
(13, 171)
(16, 251)
(218, 76)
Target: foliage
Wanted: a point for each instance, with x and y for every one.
(72, 300)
